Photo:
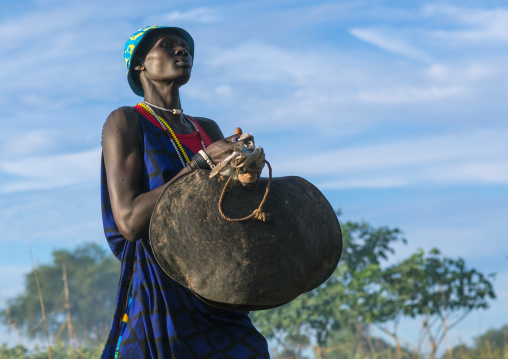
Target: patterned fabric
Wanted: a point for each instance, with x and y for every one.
(132, 44)
(165, 319)
(191, 140)
(125, 318)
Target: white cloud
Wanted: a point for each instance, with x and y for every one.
(391, 43)
(482, 25)
(478, 157)
(409, 94)
(341, 89)
(203, 15)
(44, 172)
(30, 27)
(478, 242)
(468, 74)
(487, 171)
(26, 143)
(377, 182)
(262, 61)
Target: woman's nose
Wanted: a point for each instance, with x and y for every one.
(181, 51)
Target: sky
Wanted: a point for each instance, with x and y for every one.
(396, 110)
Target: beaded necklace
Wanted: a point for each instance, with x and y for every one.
(174, 111)
(171, 134)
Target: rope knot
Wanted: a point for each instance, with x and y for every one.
(260, 215)
(257, 213)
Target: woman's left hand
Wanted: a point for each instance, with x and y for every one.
(221, 149)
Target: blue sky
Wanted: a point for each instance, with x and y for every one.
(396, 110)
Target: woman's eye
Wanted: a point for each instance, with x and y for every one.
(171, 45)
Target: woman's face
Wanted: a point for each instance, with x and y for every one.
(168, 59)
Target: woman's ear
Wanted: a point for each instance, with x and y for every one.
(138, 63)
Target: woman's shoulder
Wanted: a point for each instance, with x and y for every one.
(122, 114)
(122, 121)
(210, 127)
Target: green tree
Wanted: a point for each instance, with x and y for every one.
(337, 304)
(439, 289)
(92, 277)
(57, 352)
(492, 344)
(496, 339)
(364, 290)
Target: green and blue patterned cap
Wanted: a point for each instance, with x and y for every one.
(133, 43)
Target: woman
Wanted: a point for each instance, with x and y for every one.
(145, 148)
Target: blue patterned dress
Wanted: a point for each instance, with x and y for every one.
(165, 319)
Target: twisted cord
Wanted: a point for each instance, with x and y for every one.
(258, 213)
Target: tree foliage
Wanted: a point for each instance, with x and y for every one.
(367, 289)
(59, 351)
(338, 303)
(92, 274)
(439, 289)
(491, 344)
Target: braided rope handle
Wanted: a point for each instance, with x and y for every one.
(258, 213)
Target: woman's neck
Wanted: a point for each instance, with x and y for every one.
(168, 98)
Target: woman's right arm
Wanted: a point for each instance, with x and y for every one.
(123, 160)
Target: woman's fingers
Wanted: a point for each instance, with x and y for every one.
(231, 138)
(246, 139)
(235, 138)
(223, 148)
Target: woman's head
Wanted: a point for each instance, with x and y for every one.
(147, 45)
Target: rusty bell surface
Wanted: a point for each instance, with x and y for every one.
(250, 265)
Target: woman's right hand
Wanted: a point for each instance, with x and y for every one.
(221, 149)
